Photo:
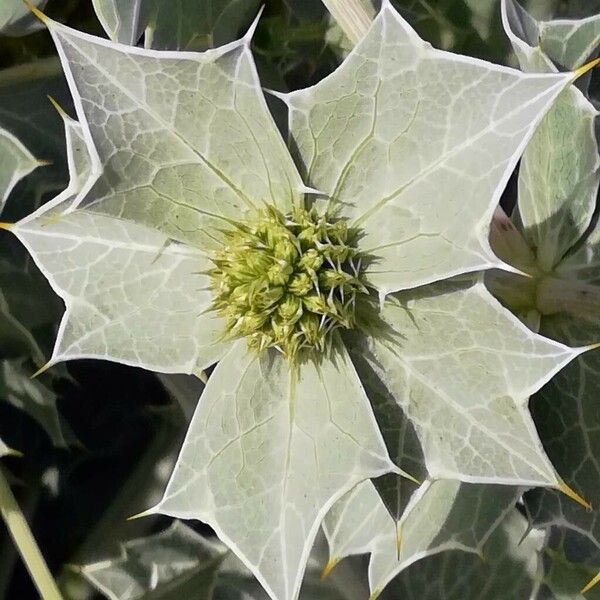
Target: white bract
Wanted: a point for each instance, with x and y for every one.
(406, 146)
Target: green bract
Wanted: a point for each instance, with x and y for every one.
(189, 225)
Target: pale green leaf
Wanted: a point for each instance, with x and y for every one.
(558, 179)
(559, 174)
(15, 163)
(174, 564)
(443, 515)
(175, 24)
(570, 562)
(185, 140)
(540, 45)
(414, 146)
(131, 295)
(566, 411)
(462, 368)
(509, 571)
(16, 19)
(267, 455)
(35, 398)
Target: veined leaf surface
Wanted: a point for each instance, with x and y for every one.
(414, 146)
(267, 454)
(131, 295)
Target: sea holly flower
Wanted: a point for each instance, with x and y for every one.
(196, 238)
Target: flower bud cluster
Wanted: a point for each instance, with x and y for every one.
(287, 281)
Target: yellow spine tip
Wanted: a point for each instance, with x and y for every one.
(42, 370)
(6, 226)
(375, 594)
(591, 584)
(141, 515)
(331, 563)
(44, 163)
(570, 493)
(59, 109)
(398, 540)
(12, 452)
(585, 68)
(37, 12)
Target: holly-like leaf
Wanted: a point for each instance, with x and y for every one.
(131, 295)
(215, 150)
(175, 24)
(570, 562)
(35, 398)
(510, 569)
(176, 563)
(267, 454)
(414, 146)
(541, 45)
(443, 515)
(15, 163)
(16, 19)
(567, 416)
(559, 174)
(467, 397)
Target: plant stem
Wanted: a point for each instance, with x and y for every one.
(353, 16)
(25, 542)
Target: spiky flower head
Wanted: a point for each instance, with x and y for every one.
(288, 281)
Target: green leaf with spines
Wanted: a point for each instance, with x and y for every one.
(173, 564)
(175, 24)
(443, 515)
(15, 163)
(398, 137)
(560, 168)
(510, 569)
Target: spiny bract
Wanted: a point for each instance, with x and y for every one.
(288, 281)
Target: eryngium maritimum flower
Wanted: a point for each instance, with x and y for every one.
(288, 281)
(195, 240)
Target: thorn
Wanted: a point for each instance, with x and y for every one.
(331, 563)
(37, 12)
(408, 476)
(398, 540)
(567, 491)
(202, 376)
(145, 513)
(12, 452)
(250, 33)
(44, 163)
(590, 347)
(590, 584)
(585, 68)
(6, 226)
(42, 370)
(375, 594)
(59, 109)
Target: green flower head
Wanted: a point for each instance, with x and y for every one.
(288, 281)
